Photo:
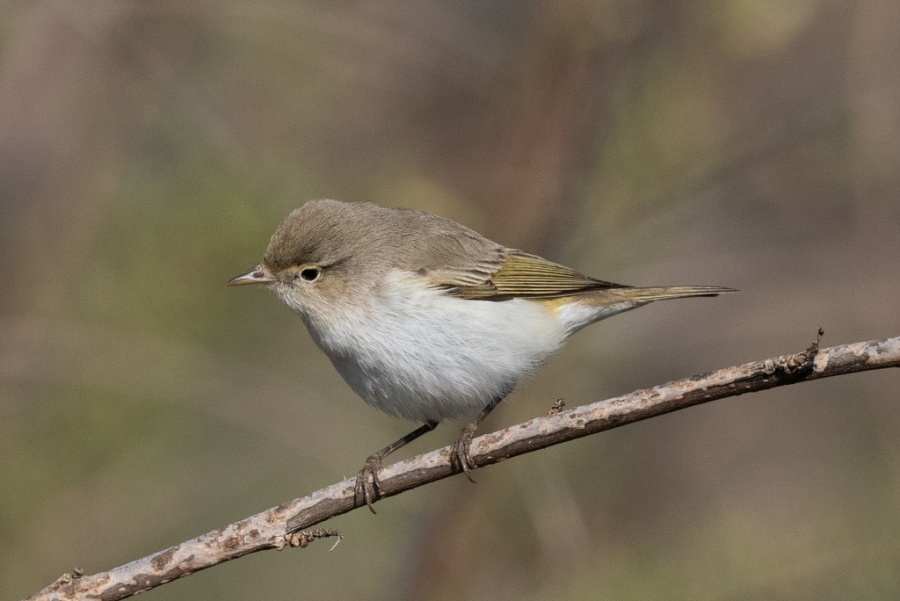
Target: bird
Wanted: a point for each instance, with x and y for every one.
(426, 319)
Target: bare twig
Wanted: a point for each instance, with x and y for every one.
(286, 524)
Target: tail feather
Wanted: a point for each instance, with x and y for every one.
(578, 311)
(646, 295)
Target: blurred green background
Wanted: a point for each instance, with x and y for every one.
(149, 149)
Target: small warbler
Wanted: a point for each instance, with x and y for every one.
(426, 319)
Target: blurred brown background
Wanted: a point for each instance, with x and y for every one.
(149, 149)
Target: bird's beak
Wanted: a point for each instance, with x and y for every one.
(257, 276)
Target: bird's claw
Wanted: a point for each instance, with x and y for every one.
(366, 488)
(459, 454)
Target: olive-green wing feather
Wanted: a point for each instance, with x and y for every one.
(520, 275)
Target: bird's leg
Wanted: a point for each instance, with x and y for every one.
(460, 451)
(367, 485)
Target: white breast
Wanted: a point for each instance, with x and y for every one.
(426, 356)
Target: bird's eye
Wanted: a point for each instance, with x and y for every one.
(310, 274)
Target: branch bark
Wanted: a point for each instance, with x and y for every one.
(286, 524)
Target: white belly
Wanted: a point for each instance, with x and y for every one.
(426, 356)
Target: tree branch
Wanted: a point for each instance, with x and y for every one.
(285, 525)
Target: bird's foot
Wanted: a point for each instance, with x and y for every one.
(367, 485)
(459, 453)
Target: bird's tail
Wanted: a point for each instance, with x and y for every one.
(645, 295)
(618, 299)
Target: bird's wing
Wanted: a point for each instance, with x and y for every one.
(514, 274)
